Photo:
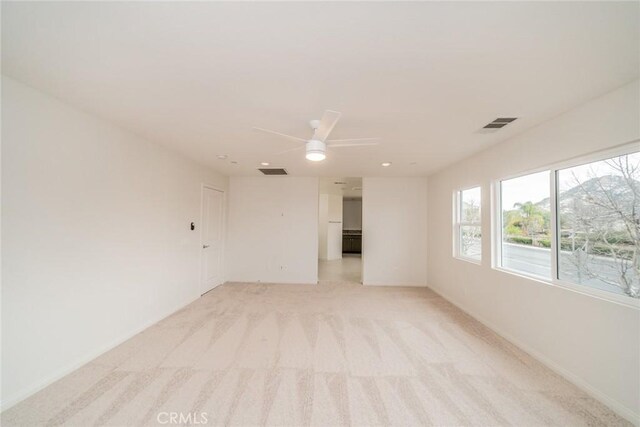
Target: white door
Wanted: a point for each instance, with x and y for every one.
(212, 238)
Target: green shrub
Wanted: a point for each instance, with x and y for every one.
(545, 243)
(520, 240)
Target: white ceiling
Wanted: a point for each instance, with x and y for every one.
(197, 76)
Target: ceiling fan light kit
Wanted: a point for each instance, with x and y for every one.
(316, 150)
(316, 147)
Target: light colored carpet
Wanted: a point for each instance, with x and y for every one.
(325, 355)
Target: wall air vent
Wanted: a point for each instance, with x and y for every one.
(273, 171)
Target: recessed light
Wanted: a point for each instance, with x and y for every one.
(386, 164)
(264, 163)
(222, 156)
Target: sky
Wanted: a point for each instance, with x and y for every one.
(528, 188)
(535, 187)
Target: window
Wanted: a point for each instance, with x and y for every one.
(599, 224)
(576, 225)
(526, 228)
(469, 231)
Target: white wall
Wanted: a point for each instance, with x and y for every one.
(96, 242)
(273, 229)
(334, 230)
(335, 208)
(330, 227)
(334, 240)
(394, 231)
(323, 225)
(352, 216)
(593, 342)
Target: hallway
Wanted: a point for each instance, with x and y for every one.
(347, 269)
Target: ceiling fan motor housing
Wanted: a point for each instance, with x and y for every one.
(316, 149)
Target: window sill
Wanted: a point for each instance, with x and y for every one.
(584, 290)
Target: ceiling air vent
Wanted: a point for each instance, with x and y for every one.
(499, 122)
(273, 171)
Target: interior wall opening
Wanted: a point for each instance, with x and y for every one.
(340, 230)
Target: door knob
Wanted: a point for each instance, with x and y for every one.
(205, 246)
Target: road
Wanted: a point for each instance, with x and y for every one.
(537, 261)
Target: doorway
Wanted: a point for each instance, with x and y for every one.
(212, 238)
(340, 230)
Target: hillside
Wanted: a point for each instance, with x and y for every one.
(614, 186)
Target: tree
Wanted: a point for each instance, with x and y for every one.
(600, 216)
(470, 235)
(526, 223)
(532, 218)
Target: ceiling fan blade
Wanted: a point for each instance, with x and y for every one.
(327, 123)
(350, 144)
(293, 138)
(332, 141)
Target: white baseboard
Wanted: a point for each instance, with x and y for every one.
(76, 364)
(625, 412)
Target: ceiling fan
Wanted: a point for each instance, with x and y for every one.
(316, 147)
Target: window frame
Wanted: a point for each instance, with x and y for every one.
(458, 224)
(497, 208)
(553, 169)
